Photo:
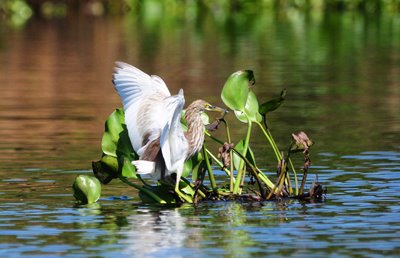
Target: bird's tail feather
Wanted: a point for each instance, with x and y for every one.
(144, 167)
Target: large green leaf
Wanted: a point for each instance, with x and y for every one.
(236, 88)
(118, 153)
(87, 189)
(250, 111)
(113, 128)
(116, 140)
(249, 155)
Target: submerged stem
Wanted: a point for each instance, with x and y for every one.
(145, 190)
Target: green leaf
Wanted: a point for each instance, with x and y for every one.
(236, 88)
(115, 144)
(87, 189)
(113, 128)
(191, 163)
(106, 169)
(272, 104)
(186, 188)
(196, 168)
(249, 155)
(128, 169)
(250, 110)
(187, 167)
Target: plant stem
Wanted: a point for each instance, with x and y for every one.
(228, 138)
(296, 182)
(145, 190)
(263, 177)
(210, 173)
(271, 140)
(219, 163)
(241, 164)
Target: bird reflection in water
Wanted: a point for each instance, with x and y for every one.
(153, 233)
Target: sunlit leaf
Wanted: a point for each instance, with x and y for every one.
(272, 104)
(236, 88)
(87, 189)
(250, 111)
(186, 188)
(117, 150)
(128, 169)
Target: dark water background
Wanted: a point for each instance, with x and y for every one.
(342, 75)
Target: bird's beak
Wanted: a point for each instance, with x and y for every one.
(217, 109)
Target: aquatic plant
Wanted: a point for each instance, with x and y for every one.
(235, 157)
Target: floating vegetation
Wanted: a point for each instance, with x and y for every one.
(235, 156)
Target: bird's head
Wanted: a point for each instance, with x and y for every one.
(202, 105)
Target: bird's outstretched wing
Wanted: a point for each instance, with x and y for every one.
(173, 143)
(132, 84)
(142, 97)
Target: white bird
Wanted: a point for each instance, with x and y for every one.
(152, 117)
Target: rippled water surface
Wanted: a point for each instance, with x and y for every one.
(342, 75)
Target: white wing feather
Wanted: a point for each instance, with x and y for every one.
(151, 111)
(132, 84)
(173, 143)
(142, 97)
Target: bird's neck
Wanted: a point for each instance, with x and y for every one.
(195, 133)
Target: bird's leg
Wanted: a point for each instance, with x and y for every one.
(177, 190)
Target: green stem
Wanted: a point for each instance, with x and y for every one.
(219, 163)
(232, 178)
(264, 178)
(210, 173)
(145, 190)
(241, 164)
(296, 182)
(271, 141)
(278, 155)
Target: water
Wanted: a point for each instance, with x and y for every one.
(342, 74)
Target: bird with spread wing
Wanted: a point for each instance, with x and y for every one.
(152, 117)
